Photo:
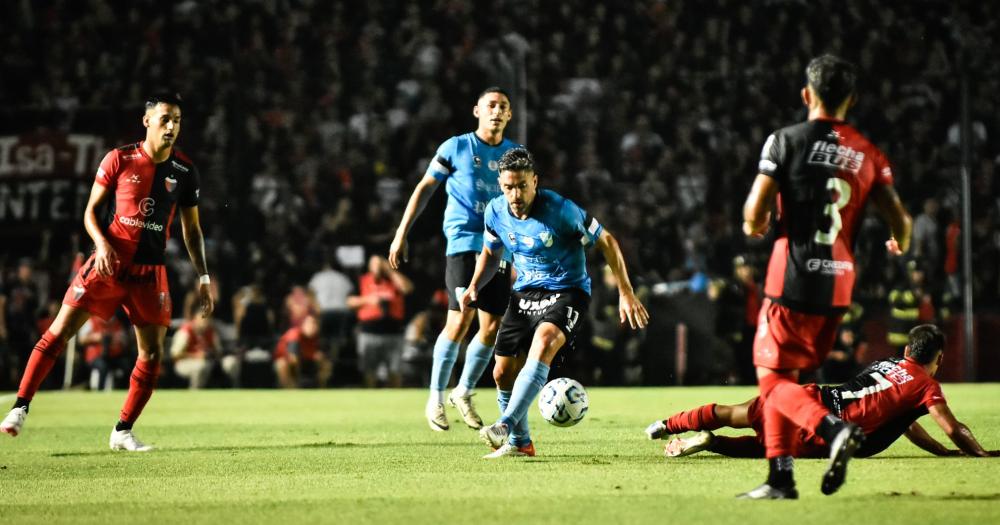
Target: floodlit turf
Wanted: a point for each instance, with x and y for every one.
(348, 456)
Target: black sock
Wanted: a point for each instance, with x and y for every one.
(829, 426)
(21, 403)
(123, 425)
(780, 475)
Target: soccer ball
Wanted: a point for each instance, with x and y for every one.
(563, 402)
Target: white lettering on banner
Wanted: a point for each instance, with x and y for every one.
(42, 200)
(49, 154)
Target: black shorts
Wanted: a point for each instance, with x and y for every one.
(458, 274)
(566, 309)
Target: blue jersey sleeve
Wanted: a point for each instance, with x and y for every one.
(579, 222)
(443, 163)
(491, 239)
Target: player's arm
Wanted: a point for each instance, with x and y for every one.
(105, 258)
(757, 208)
(487, 265)
(891, 209)
(179, 343)
(957, 431)
(195, 243)
(414, 207)
(629, 307)
(919, 437)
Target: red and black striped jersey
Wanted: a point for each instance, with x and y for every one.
(145, 198)
(884, 399)
(825, 170)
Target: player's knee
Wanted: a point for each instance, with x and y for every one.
(504, 376)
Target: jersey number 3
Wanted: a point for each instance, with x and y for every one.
(832, 209)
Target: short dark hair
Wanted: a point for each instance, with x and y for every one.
(516, 159)
(926, 341)
(494, 89)
(832, 78)
(163, 97)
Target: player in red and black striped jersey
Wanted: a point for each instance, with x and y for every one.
(144, 185)
(885, 400)
(818, 176)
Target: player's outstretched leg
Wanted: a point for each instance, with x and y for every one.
(529, 382)
(519, 440)
(846, 438)
(698, 419)
(40, 363)
(445, 355)
(141, 385)
(477, 356)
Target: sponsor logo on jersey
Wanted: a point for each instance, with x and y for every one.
(482, 185)
(134, 178)
(537, 306)
(512, 238)
(179, 166)
(493, 165)
(829, 267)
(170, 183)
(546, 239)
(836, 156)
(78, 292)
(477, 162)
(146, 206)
(528, 241)
(101, 174)
(136, 223)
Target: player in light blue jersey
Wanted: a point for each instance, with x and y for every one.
(467, 164)
(547, 234)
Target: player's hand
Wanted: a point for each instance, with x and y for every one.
(398, 252)
(205, 300)
(468, 296)
(892, 246)
(759, 233)
(632, 310)
(105, 259)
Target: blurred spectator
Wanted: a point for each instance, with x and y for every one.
(196, 349)
(927, 238)
(419, 339)
(380, 311)
(106, 346)
(911, 304)
(842, 362)
(738, 301)
(299, 304)
(254, 323)
(24, 296)
(298, 360)
(331, 289)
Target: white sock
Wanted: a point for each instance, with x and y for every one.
(437, 397)
(461, 391)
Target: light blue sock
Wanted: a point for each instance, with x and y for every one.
(477, 356)
(519, 434)
(529, 382)
(445, 354)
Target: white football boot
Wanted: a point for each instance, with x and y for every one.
(464, 406)
(126, 440)
(679, 447)
(495, 435)
(14, 421)
(510, 451)
(436, 418)
(657, 430)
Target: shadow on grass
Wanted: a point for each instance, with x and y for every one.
(237, 448)
(951, 496)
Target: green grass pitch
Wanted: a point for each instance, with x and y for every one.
(350, 456)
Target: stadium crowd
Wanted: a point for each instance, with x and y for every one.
(311, 121)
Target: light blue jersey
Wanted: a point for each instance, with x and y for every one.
(548, 245)
(470, 167)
